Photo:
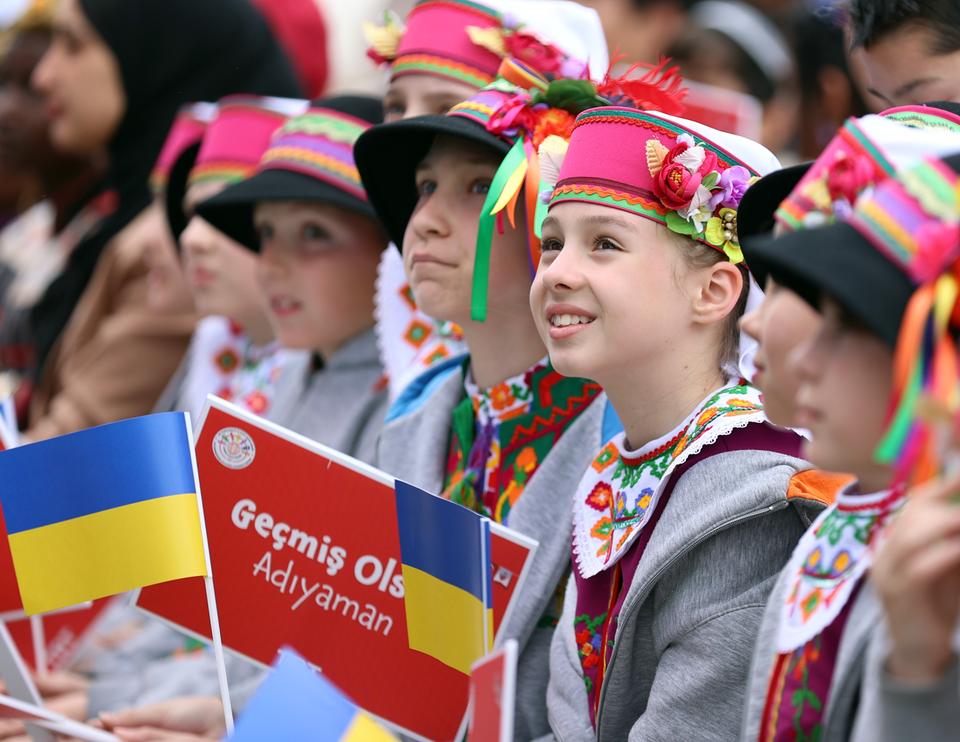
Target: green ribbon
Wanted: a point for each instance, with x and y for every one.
(481, 261)
(893, 441)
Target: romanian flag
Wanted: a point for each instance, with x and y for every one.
(294, 702)
(445, 550)
(102, 511)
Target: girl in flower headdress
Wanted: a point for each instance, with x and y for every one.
(680, 522)
(500, 430)
(441, 54)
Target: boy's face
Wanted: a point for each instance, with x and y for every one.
(902, 68)
(610, 291)
(845, 385)
(221, 273)
(317, 269)
(781, 323)
(441, 239)
(421, 95)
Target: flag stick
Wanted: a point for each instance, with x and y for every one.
(487, 576)
(39, 644)
(211, 597)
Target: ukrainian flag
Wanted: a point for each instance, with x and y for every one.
(445, 550)
(102, 511)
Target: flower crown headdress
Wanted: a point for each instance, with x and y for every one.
(536, 114)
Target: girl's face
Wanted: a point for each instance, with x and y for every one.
(81, 80)
(441, 239)
(781, 323)
(845, 377)
(222, 274)
(317, 270)
(420, 95)
(167, 287)
(612, 292)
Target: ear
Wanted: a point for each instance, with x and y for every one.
(718, 292)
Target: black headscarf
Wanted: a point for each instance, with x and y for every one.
(169, 52)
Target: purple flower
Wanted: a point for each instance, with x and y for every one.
(733, 184)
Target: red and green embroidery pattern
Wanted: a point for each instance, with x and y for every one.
(500, 437)
(589, 632)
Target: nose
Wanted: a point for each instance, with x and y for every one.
(272, 262)
(430, 219)
(43, 74)
(563, 272)
(750, 323)
(806, 360)
(197, 238)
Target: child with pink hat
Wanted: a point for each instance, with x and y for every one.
(499, 430)
(441, 54)
(682, 521)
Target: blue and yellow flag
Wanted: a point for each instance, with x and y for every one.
(102, 511)
(445, 550)
(294, 702)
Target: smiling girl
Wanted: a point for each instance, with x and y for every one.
(682, 521)
(504, 433)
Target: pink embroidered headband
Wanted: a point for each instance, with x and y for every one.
(676, 172)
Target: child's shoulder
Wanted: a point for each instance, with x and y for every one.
(423, 388)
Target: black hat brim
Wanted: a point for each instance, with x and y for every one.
(755, 214)
(839, 262)
(176, 190)
(387, 157)
(231, 211)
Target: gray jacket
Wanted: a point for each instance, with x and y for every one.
(413, 447)
(341, 405)
(679, 667)
(890, 710)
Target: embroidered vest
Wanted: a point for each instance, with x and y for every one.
(500, 436)
(827, 568)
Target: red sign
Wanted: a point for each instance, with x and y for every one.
(305, 552)
(65, 633)
(493, 688)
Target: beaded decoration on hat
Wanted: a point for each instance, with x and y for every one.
(914, 221)
(187, 130)
(239, 135)
(531, 112)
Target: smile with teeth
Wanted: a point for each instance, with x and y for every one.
(565, 320)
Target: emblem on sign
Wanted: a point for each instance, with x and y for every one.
(234, 448)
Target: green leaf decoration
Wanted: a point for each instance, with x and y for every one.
(676, 223)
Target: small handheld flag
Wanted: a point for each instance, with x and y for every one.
(493, 694)
(102, 511)
(294, 702)
(445, 550)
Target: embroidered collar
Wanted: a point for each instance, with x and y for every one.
(620, 490)
(829, 561)
(506, 400)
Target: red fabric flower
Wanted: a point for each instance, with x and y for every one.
(515, 113)
(591, 660)
(584, 637)
(675, 185)
(848, 176)
(528, 49)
